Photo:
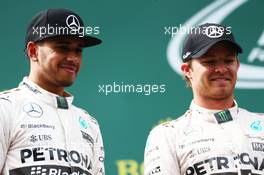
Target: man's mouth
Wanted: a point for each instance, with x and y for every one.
(220, 79)
(69, 68)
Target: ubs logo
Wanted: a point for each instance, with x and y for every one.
(35, 138)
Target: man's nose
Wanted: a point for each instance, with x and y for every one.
(220, 68)
(73, 55)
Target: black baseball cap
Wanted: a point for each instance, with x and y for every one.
(201, 38)
(58, 22)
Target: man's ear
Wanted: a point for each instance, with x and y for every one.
(186, 70)
(32, 51)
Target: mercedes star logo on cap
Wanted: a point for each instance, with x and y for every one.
(73, 22)
(214, 31)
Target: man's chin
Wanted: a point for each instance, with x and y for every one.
(68, 84)
(65, 83)
(222, 94)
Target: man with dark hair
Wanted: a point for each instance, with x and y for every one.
(214, 136)
(41, 131)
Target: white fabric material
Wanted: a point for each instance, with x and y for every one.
(38, 137)
(196, 144)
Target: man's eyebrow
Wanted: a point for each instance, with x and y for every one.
(212, 55)
(207, 56)
(61, 42)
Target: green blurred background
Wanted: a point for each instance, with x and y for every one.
(135, 52)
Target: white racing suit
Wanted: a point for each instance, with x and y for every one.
(207, 142)
(44, 134)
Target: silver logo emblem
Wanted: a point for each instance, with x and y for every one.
(214, 31)
(33, 110)
(73, 22)
(186, 55)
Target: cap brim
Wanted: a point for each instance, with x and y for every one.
(90, 41)
(205, 49)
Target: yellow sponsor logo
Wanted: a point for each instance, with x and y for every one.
(130, 167)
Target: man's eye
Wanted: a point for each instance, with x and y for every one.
(78, 50)
(63, 48)
(229, 60)
(209, 62)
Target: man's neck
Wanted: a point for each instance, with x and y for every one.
(215, 104)
(58, 91)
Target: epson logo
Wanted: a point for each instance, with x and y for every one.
(88, 138)
(251, 71)
(31, 88)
